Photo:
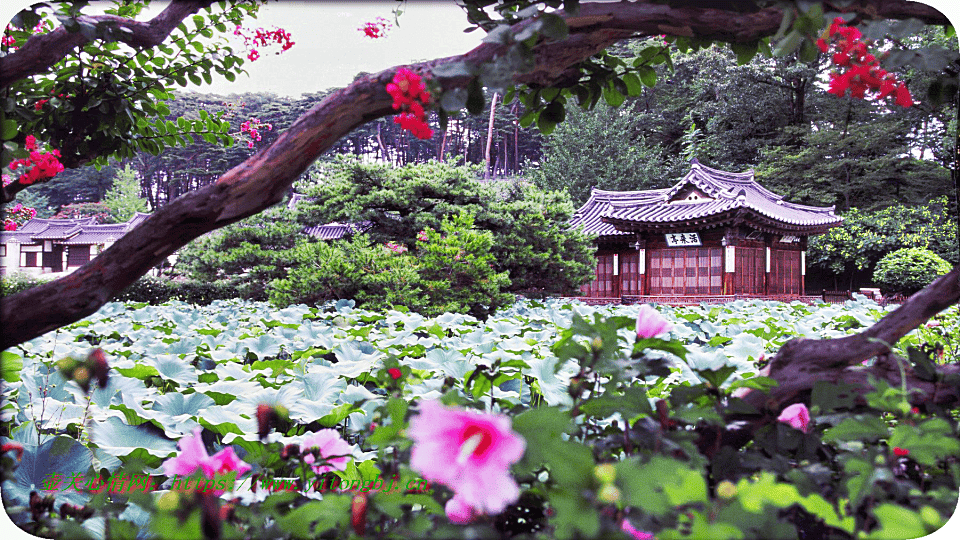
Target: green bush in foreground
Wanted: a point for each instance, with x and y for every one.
(908, 270)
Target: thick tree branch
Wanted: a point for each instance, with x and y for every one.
(43, 51)
(801, 363)
(262, 180)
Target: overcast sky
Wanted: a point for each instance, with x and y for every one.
(329, 49)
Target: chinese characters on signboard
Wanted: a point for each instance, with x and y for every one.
(683, 239)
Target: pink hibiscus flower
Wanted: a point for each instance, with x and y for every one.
(628, 528)
(650, 323)
(459, 512)
(469, 452)
(797, 416)
(193, 455)
(334, 451)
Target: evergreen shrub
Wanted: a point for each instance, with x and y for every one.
(908, 270)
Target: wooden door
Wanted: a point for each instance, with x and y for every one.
(686, 271)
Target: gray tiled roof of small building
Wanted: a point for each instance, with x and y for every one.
(335, 231)
(98, 234)
(730, 191)
(75, 231)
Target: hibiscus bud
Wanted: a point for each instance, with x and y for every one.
(82, 377)
(358, 513)
(266, 418)
(726, 490)
(210, 522)
(170, 501)
(605, 472)
(290, 450)
(100, 367)
(609, 494)
(797, 416)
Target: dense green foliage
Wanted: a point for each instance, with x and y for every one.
(450, 270)
(370, 274)
(269, 257)
(606, 148)
(16, 282)
(248, 254)
(853, 249)
(874, 467)
(531, 241)
(155, 291)
(908, 270)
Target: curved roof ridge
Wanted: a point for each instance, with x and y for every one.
(745, 176)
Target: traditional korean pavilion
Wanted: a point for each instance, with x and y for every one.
(713, 233)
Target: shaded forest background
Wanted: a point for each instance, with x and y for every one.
(883, 166)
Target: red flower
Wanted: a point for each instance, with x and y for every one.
(863, 73)
(395, 373)
(903, 96)
(409, 96)
(900, 452)
(375, 29)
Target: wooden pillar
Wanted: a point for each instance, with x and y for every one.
(641, 246)
(766, 275)
(803, 266)
(729, 243)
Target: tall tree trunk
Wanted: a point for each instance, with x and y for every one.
(516, 140)
(384, 152)
(493, 108)
(443, 144)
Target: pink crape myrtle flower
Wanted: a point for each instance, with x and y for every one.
(334, 451)
(650, 323)
(628, 528)
(469, 452)
(193, 456)
(797, 416)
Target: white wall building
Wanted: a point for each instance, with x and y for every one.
(58, 246)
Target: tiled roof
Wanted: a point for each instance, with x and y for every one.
(727, 196)
(98, 234)
(601, 202)
(328, 231)
(336, 231)
(71, 231)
